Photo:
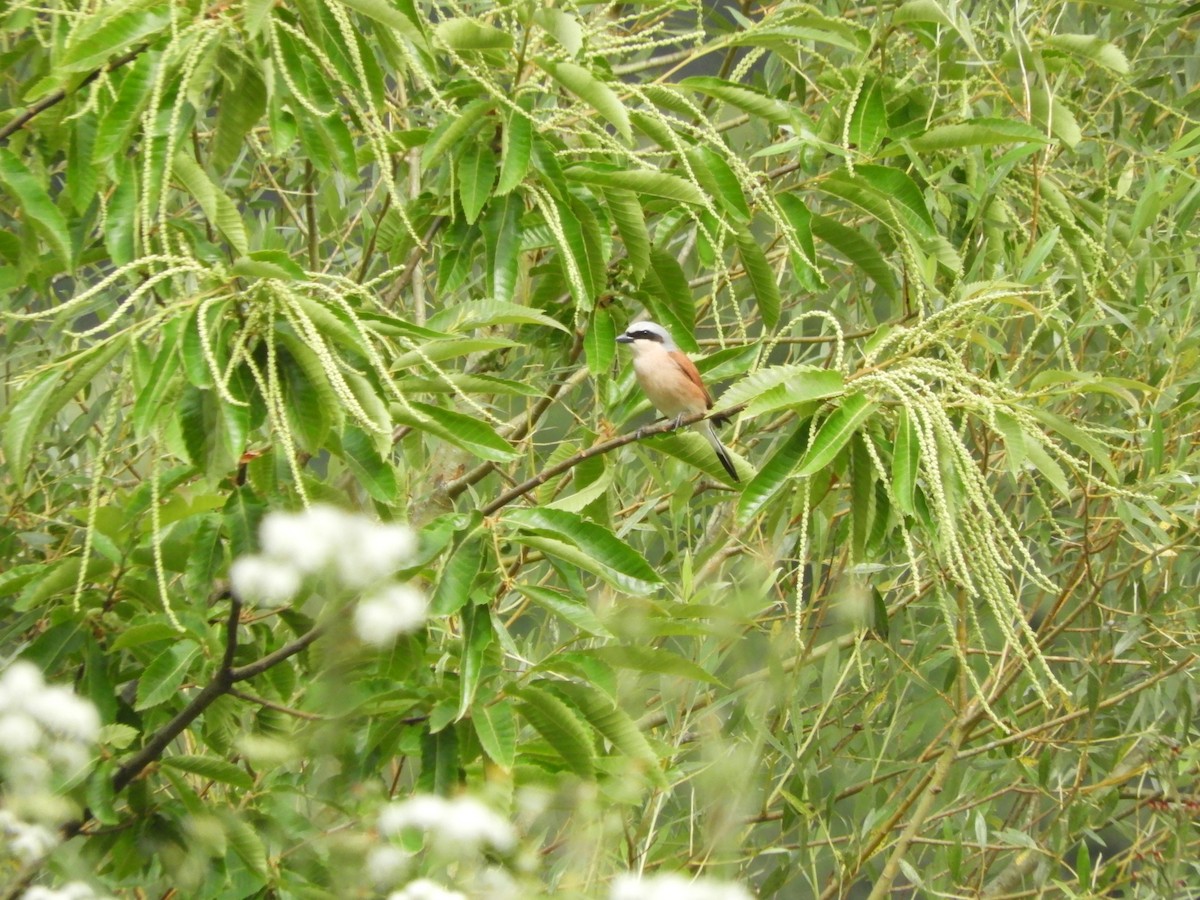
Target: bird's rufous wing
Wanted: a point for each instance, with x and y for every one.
(689, 369)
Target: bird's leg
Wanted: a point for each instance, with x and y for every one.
(678, 420)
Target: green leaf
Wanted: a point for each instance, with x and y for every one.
(836, 431)
(496, 727)
(671, 299)
(980, 132)
(906, 462)
(656, 660)
(719, 180)
(38, 210)
(630, 219)
(242, 513)
(217, 207)
(95, 42)
(595, 93)
(744, 98)
(243, 104)
(468, 432)
(124, 115)
(478, 633)
(162, 679)
(562, 26)
(774, 475)
(868, 120)
(640, 181)
(40, 400)
(615, 724)
(452, 130)
(471, 34)
(439, 762)
(476, 175)
(560, 725)
(596, 541)
(472, 314)
(386, 13)
(563, 605)
(246, 844)
(1090, 47)
(856, 248)
(599, 342)
(373, 471)
(762, 279)
(862, 493)
(453, 588)
(212, 768)
(800, 384)
(516, 145)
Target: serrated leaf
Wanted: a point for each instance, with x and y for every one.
(656, 660)
(560, 725)
(856, 248)
(774, 475)
(613, 723)
(719, 180)
(162, 679)
(40, 400)
(478, 633)
(802, 384)
(453, 588)
(744, 98)
(595, 93)
(868, 119)
(449, 133)
(561, 604)
(242, 513)
(835, 432)
(246, 844)
(212, 768)
(671, 299)
(496, 727)
(94, 44)
(467, 432)
(471, 34)
(640, 181)
(373, 472)
(1088, 46)
(243, 104)
(38, 211)
(217, 207)
(906, 461)
(515, 147)
(762, 279)
(386, 13)
(473, 314)
(476, 175)
(562, 26)
(630, 219)
(124, 115)
(980, 132)
(599, 342)
(570, 554)
(595, 540)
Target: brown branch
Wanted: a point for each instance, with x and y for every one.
(597, 450)
(56, 97)
(222, 683)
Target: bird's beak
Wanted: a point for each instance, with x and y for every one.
(624, 339)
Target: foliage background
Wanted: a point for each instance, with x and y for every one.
(941, 258)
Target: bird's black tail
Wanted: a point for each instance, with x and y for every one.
(722, 453)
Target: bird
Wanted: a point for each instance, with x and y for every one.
(672, 382)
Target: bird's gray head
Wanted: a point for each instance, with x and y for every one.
(650, 332)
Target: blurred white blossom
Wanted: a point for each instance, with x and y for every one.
(424, 889)
(76, 890)
(462, 823)
(353, 552)
(675, 887)
(390, 611)
(47, 734)
(387, 864)
(264, 581)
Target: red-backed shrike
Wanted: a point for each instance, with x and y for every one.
(671, 381)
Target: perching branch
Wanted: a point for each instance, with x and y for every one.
(222, 683)
(597, 450)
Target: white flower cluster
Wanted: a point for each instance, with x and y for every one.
(26, 842)
(461, 823)
(424, 889)
(76, 890)
(675, 887)
(355, 553)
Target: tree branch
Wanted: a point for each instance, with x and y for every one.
(597, 450)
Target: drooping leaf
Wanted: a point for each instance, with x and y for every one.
(496, 727)
(615, 724)
(476, 175)
(161, 679)
(640, 181)
(471, 34)
(744, 98)
(595, 540)
(835, 432)
(38, 210)
(595, 93)
(212, 768)
(560, 725)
